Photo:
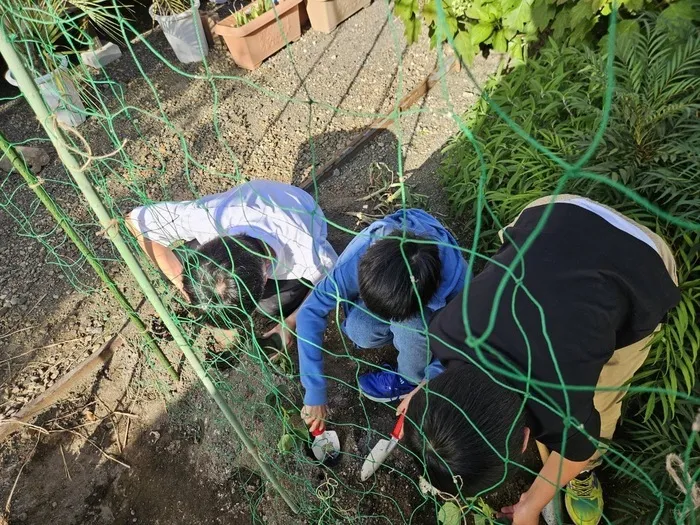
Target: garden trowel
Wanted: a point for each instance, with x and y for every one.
(381, 450)
(549, 512)
(326, 447)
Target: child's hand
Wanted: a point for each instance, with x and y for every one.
(315, 416)
(403, 406)
(284, 332)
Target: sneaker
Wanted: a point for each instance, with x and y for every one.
(384, 386)
(584, 499)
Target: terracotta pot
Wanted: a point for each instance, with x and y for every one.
(260, 38)
(325, 15)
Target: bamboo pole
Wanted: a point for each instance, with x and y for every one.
(61, 219)
(31, 94)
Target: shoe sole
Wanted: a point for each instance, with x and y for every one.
(383, 399)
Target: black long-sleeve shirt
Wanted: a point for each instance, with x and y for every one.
(599, 289)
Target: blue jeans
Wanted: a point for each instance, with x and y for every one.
(408, 337)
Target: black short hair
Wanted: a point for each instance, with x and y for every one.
(448, 444)
(385, 278)
(225, 278)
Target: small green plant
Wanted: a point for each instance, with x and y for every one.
(245, 15)
(388, 192)
(510, 26)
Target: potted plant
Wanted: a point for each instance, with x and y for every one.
(182, 26)
(325, 15)
(41, 30)
(252, 33)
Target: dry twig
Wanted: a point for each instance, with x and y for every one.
(15, 332)
(65, 465)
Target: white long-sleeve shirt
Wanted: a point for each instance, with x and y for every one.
(284, 217)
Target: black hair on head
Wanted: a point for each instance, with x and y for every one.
(385, 276)
(225, 278)
(448, 444)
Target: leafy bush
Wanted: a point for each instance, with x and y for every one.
(648, 444)
(650, 145)
(511, 25)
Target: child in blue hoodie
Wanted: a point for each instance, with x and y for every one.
(390, 281)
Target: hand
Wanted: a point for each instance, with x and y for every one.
(403, 406)
(522, 513)
(315, 416)
(181, 288)
(285, 333)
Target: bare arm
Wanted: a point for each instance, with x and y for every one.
(286, 328)
(555, 473)
(162, 256)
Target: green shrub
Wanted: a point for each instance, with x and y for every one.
(651, 145)
(511, 25)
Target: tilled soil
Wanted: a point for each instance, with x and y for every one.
(129, 446)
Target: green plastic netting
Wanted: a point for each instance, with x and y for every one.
(128, 166)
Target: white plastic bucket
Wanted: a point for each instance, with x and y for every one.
(60, 94)
(185, 33)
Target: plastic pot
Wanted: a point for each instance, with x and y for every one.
(259, 39)
(184, 32)
(59, 92)
(325, 15)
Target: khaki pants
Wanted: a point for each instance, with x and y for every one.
(625, 361)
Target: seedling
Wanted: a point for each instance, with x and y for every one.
(258, 8)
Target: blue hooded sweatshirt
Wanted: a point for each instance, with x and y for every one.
(341, 287)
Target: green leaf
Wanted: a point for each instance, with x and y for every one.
(499, 42)
(679, 16)
(561, 23)
(430, 12)
(581, 12)
(478, 12)
(517, 17)
(479, 519)
(515, 50)
(412, 30)
(452, 25)
(450, 514)
(406, 9)
(464, 47)
(286, 443)
(634, 5)
(480, 32)
(542, 14)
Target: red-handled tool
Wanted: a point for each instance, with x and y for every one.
(382, 450)
(326, 446)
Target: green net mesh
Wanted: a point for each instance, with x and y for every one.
(142, 143)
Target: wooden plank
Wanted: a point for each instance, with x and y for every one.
(61, 388)
(379, 124)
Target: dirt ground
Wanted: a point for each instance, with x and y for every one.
(129, 445)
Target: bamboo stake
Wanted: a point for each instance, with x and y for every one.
(31, 94)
